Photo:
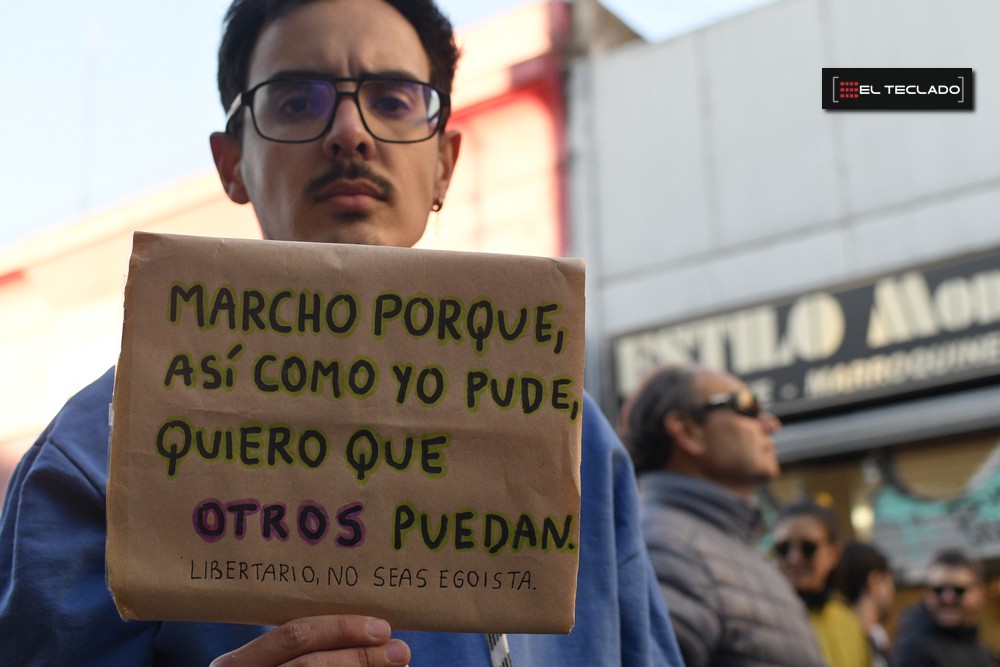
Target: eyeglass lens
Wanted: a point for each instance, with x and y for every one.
(301, 110)
(939, 591)
(747, 404)
(742, 402)
(805, 547)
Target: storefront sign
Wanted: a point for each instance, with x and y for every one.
(903, 332)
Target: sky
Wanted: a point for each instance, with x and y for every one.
(109, 99)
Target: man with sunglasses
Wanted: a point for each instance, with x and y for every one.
(335, 132)
(942, 630)
(702, 447)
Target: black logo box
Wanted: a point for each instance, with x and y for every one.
(898, 89)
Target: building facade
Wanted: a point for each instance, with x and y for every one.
(847, 265)
(61, 289)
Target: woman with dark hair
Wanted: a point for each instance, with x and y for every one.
(808, 549)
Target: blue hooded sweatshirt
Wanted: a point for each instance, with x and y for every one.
(55, 608)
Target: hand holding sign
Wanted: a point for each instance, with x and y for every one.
(341, 639)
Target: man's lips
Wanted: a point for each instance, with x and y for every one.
(350, 185)
(355, 190)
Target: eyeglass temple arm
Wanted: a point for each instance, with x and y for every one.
(233, 108)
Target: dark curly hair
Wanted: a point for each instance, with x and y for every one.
(857, 561)
(666, 390)
(245, 20)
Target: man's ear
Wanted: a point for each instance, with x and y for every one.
(227, 152)
(448, 148)
(685, 432)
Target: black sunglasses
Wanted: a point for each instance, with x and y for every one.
(805, 547)
(743, 402)
(939, 591)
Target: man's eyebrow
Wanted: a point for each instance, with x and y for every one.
(392, 74)
(318, 74)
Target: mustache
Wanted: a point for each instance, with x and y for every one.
(350, 171)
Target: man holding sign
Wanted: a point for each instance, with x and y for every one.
(361, 174)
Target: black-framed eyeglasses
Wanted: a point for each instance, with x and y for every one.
(807, 548)
(743, 402)
(958, 591)
(300, 109)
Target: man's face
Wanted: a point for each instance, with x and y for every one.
(953, 595)
(738, 450)
(346, 186)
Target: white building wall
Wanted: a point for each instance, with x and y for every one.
(705, 173)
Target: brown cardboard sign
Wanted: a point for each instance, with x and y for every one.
(302, 429)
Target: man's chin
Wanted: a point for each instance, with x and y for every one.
(766, 475)
(365, 230)
(356, 230)
(950, 620)
(354, 239)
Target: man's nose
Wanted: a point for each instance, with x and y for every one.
(770, 421)
(795, 556)
(347, 134)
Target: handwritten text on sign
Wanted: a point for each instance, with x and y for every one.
(307, 428)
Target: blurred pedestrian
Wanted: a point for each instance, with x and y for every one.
(808, 549)
(702, 447)
(864, 579)
(942, 630)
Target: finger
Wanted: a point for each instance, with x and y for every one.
(395, 653)
(313, 635)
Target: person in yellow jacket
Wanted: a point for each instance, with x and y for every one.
(808, 549)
